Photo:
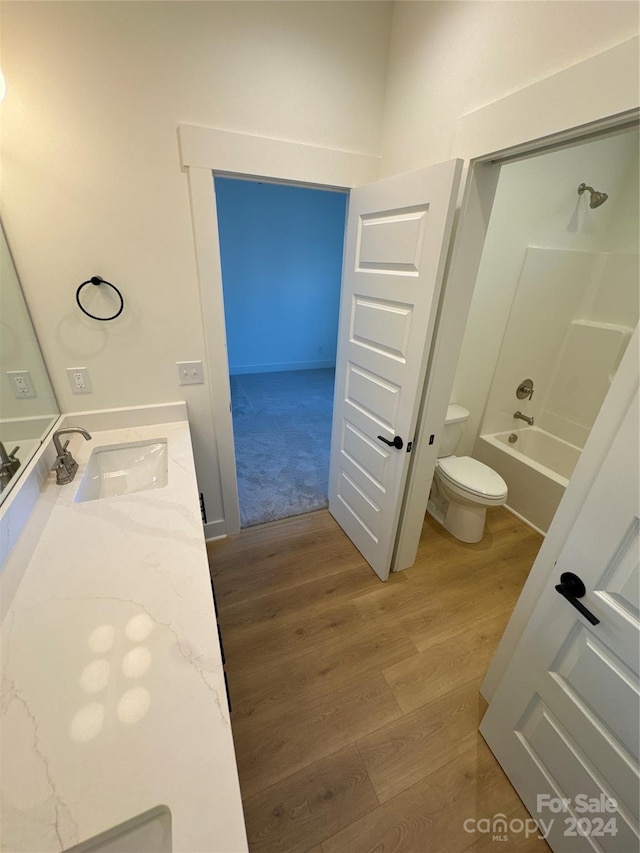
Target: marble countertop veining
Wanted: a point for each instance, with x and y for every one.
(113, 696)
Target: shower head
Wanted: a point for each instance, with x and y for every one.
(596, 198)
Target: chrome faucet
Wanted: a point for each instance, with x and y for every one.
(65, 465)
(523, 418)
(9, 464)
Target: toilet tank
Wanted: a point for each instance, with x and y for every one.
(455, 422)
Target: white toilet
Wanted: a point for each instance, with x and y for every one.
(462, 487)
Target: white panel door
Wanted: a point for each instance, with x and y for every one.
(565, 720)
(397, 235)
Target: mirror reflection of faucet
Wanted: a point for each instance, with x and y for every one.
(65, 465)
(9, 464)
(522, 417)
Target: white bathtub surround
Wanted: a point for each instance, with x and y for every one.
(537, 468)
(113, 697)
(589, 358)
(571, 320)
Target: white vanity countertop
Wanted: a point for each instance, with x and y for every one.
(113, 696)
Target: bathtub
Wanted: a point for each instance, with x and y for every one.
(536, 469)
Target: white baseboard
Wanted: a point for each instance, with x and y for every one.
(278, 368)
(215, 530)
(525, 520)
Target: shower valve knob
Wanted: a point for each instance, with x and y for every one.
(525, 389)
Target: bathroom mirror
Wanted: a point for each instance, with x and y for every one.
(28, 407)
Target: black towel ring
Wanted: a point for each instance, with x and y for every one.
(97, 280)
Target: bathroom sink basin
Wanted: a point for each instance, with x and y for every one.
(149, 832)
(123, 469)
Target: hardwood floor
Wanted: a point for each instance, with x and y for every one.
(356, 704)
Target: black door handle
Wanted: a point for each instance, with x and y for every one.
(397, 441)
(572, 588)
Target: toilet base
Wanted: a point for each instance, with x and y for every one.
(462, 519)
(436, 511)
(465, 522)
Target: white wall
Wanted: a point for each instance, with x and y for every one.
(448, 59)
(537, 204)
(91, 180)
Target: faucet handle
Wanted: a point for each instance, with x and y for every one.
(525, 389)
(65, 465)
(14, 451)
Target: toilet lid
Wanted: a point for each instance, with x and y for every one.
(473, 476)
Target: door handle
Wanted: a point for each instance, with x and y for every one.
(397, 441)
(572, 588)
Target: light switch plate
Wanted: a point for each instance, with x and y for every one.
(21, 384)
(190, 372)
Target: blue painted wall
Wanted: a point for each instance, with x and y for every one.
(281, 249)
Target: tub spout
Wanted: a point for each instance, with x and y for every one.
(523, 418)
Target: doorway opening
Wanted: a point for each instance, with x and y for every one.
(554, 307)
(281, 257)
(454, 357)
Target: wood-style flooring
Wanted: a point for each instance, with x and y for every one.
(356, 704)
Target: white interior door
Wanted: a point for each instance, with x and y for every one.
(397, 235)
(565, 720)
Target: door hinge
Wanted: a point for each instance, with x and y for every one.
(409, 446)
(203, 509)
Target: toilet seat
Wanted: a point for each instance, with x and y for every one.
(473, 478)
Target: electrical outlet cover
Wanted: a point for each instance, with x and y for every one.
(79, 380)
(21, 384)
